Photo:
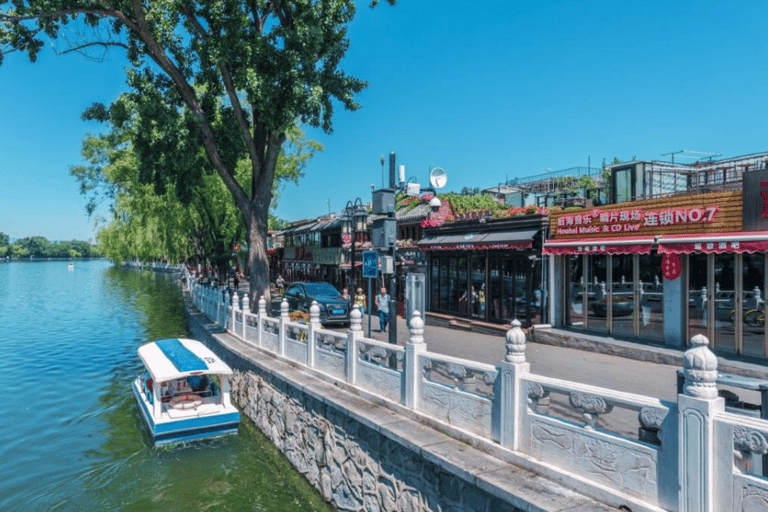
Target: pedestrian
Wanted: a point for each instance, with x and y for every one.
(280, 283)
(360, 301)
(345, 295)
(382, 302)
(236, 282)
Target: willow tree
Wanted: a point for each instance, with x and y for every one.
(276, 62)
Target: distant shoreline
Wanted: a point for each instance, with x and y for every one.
(42, 260)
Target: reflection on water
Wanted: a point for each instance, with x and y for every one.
(70, 425)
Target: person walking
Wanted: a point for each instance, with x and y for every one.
(382, 302)
(360, 300)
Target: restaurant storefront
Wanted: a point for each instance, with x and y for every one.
(664, 270)
(489, 272)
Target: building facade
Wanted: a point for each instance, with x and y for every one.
(488, 270)
(681, 252)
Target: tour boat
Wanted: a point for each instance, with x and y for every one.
(71, 266)
(184, 394)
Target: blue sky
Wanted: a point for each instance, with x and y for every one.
(487, 91)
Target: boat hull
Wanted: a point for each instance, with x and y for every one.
(185, 429)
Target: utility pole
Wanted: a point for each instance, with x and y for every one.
(393, 253)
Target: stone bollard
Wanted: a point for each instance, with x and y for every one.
(697, 406)
(510, 390)
(314, 326)
(260, 320)
(414, 347)
(284, 319)
(353, 335)
(246, 311)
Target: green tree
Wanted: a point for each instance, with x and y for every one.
(207, 220)
(4, 239)
(275, 62)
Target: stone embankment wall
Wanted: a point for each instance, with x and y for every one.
(353, 466)
(362, 456)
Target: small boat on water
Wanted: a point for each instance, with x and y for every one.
(184, 394)
(71, 266)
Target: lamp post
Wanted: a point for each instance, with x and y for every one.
(354, 214)
(386, 232)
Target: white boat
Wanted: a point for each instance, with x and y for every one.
(71, 266)
(184, 394)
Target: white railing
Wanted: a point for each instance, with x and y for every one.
(643, 452)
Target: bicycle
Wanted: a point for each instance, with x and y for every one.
(754, 317)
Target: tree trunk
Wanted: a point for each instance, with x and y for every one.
(258, 267)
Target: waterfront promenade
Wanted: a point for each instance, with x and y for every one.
(628, 437)
(619, 365)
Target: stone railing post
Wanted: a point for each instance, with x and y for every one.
(225, 302)
(246, 311)
(260, 320)
(284, 319)
(314, 325)
(354, 333)
(511, 394)
(697, 406)
(414, 347)
(235, 309)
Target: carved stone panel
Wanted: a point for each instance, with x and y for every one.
(379, 380)
(598, 457)
(330, 363)
(458, 408)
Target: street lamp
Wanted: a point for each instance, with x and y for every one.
(355, 216)
(385, 229)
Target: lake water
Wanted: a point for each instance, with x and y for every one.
(71, 438)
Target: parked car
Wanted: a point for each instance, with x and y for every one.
(333, 308)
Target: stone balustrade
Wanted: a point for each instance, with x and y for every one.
(683, 456)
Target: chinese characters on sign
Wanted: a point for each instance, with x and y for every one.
(671, 266)
(633, 220)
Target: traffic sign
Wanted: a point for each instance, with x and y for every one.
(370, 264)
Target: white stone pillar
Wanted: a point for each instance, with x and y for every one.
(353, 335)
(314, 325)
(246, 311)
(284, 319)
(697, 407)
(235, 309)
(511, 390)
(414, 347)
(260, 324)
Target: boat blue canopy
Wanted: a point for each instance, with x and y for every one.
(176, 358)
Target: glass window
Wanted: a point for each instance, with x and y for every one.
(599, 295)
(651, 287)
(574, 292)
(508, 289)
(753, 304)
(523, 299)
(453, 295)
(623, 182)
(538, 300)
(463, 286)
(494, 293)
(697, 295)
(725, 284)
(622, 282)
(434, 282)
(477, 285)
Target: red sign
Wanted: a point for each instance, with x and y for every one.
(671, 266)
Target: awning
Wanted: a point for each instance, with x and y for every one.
(498, 240)
(718, 243)
(618, 245)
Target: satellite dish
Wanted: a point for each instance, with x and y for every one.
(437, 177)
